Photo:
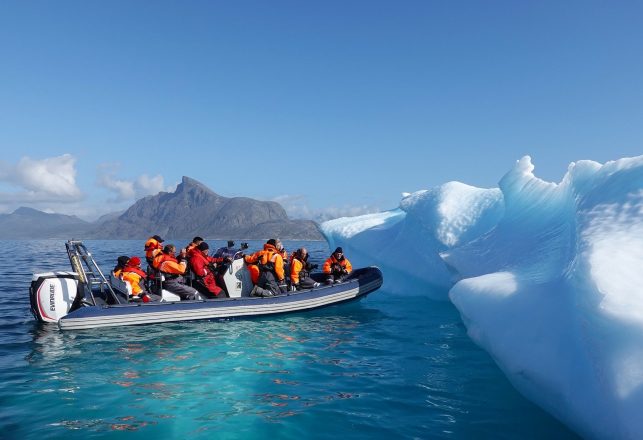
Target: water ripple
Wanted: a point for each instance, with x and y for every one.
(384, 367)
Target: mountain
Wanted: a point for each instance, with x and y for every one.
(26, 223)
(194, 209)
(109, 216)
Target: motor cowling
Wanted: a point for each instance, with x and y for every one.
(52, 294)
(237, 279)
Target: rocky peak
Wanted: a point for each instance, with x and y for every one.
(27, 211)
(189, 184)
(193, 209)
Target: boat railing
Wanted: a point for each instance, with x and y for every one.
(91, 278)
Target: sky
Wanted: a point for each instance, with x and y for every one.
(331, 108)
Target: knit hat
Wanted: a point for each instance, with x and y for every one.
(122, 260)
(197, 238)
(157, 238)
(134, 261)
(203, 246)
(339, 250)
(272, 242)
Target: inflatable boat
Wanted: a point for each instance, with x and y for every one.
(86, 298)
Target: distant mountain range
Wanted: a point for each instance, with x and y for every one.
(193, 209)
(27, 223)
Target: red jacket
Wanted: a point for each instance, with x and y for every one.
(190, 251)
(199, 264)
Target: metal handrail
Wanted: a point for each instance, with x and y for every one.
(89, 273)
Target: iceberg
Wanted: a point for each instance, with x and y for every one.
(547, 278)
(412, 236)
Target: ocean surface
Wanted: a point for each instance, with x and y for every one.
(387, 366)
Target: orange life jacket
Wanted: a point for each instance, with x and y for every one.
(169, 265)
(271, 259)
(151, 246)
(268, 257)
(133, 275)
(251, 265)
(332, 261)
(254, 272)
(296, 266)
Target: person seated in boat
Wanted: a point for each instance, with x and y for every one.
(204, 269)
(173, 269)
(251, 264)
(252, 261)
(300, 270)
(282, 251)
(284, 256)
(135, 277)
(190, 249)
(272, 279)
(153, 247)
(196, 241)
(337, 267)
(121, 262)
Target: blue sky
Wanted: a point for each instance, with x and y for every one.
(334, 106)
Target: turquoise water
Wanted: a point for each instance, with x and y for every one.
(387, 366)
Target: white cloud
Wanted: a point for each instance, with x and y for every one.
(296, 206)
(55, 176)
(130, 190)
(44, 181)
